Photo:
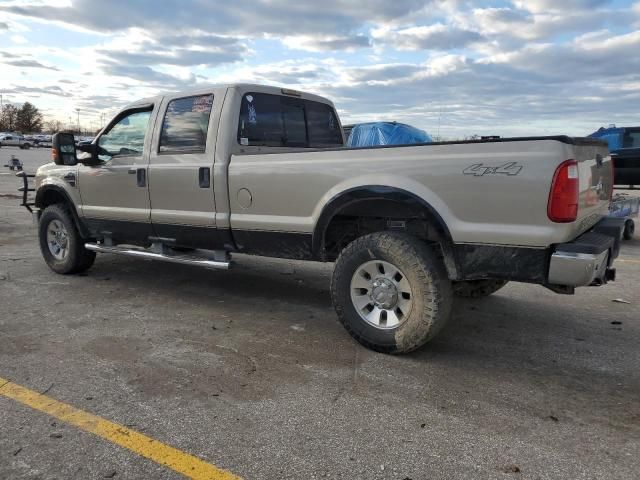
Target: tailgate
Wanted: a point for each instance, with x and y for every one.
(595, 170)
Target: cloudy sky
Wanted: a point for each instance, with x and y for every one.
(455, 67)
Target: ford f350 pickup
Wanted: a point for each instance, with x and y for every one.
(196, 176)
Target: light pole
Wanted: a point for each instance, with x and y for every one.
(78, 110)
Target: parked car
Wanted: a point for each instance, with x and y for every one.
(624, 144)
(14, 140)
(193, 177)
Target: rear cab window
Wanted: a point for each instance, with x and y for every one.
(278, 121)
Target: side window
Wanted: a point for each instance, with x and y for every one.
(631, 139)
(125, 138)
(185, 125)
(324, 128)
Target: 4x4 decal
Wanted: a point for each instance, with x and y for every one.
(479, 170)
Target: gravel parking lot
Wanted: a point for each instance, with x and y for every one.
(248, 370)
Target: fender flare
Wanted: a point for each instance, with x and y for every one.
(363, 193)
(84, 231)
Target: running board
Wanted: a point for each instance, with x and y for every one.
(167, 256)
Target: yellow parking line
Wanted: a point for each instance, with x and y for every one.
(181, 462)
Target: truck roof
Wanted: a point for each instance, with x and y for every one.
(245, 87)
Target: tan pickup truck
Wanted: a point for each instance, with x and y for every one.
(196, 176)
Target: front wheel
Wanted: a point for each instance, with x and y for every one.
(391, 292)
(61, 245)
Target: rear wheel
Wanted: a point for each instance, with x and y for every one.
(391, 292)
(61, 245)
(477, 288)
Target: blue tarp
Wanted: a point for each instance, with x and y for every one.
(386, 133)
(613, 137)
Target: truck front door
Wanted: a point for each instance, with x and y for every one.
(115, 195)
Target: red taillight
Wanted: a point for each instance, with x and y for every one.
(565, 191)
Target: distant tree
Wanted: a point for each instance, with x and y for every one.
(53, 126)
(29, 118)
(9, 118)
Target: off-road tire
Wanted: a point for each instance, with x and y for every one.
(629, 230)
(477, 288)
(430, 286)
(78, 258)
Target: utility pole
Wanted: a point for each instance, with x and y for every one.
(78, 110)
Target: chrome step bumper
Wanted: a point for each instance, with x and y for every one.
(579, 269)
(587, 260)
(220, 260)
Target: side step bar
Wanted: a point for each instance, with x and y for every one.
(167, 256)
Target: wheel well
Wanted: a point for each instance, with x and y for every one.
(52, 195)
(359, 213)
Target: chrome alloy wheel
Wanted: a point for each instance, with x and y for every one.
(381, 294)
(58, 239)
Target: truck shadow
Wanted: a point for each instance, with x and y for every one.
(506, 327)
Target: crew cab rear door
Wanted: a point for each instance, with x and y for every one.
(181, 169)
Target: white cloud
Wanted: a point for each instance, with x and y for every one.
(327, 43)
(546, 6)
(19, 39)
(426, 37)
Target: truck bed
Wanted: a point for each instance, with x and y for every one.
(486, 191)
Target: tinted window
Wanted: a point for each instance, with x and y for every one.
(295, 127)
(631, 139)
(126, 138)
(278, 121)
(185, 125)
(324, 128)
(261, 121)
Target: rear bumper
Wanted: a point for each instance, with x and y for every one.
(588, 259)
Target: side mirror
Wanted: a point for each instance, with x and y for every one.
(89, 154)
(63, 149)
